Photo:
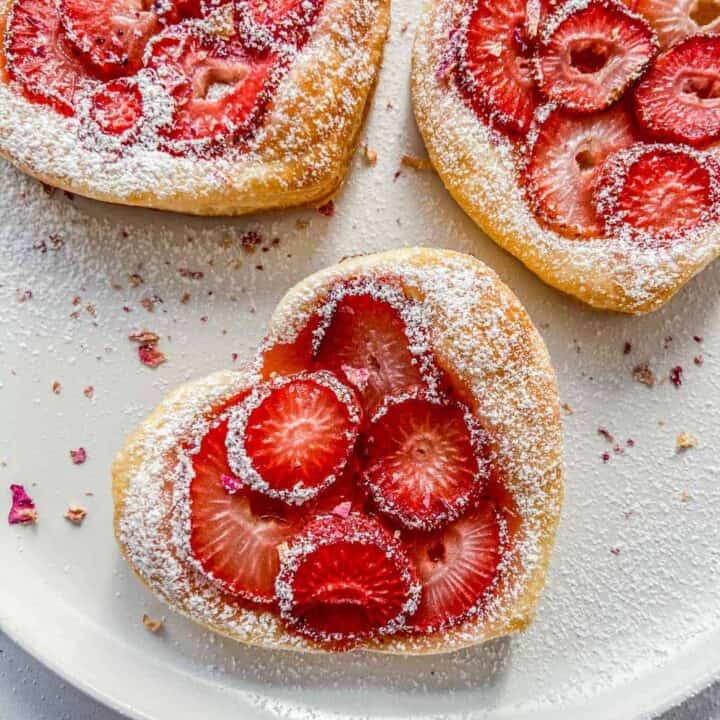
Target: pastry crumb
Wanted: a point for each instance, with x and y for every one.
(417, 163)
(75, 514)
(56, 387)
(644, 375)
(144, 337)
(370, 155)
(152, 624)
(567, 408)
(685, 441)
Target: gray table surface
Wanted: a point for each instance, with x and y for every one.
(29, 691)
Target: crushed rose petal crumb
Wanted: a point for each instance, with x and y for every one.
(328, 209)
(676, 376)
(151, 356)
(89, 392)
(78, 456)
(22, 510)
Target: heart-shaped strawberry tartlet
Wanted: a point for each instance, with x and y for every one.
(354, 486)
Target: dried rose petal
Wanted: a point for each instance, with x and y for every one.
(151, 356)
(342, 509)
(75, 514)
(22, 510)
(78, 456)
(231, 483)
(89, 392)
(328, 209)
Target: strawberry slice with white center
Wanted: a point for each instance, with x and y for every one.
(346, 578)
(456, 567)
(234, 537)
(111, 34)
(674, 20)
(679, 98)
(290, 438)
(219, 86)
(589, 52)
(423, 461)
(494, 69)
(375, 338)
(117, 107)
(40, 58)
(565, 155)
(657, 193)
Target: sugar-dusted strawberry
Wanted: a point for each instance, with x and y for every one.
(674, 20)
(679, 98)
(110, 34)
(653, 193)
(40, 58)
(220, 88)
(423, 461)
(291, 437)
(117, 107)
(376, 338)
(494, 67)
(234, 537)
(565, 154)
(346, 578)
(456, 566)
(590, 51)
(266, 22)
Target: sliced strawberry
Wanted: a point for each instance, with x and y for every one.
(456, 567)
(424, 462)
(374, 337)
(346, 578)
(234, 537)
(265, 22)
(494, 68)
(291, 437)
(220, 88)
(658, 192)
(589, 52)
(117, 107)
(565, 155)
(39, 57)
(674, 20)
(111, 34)
(679, 99)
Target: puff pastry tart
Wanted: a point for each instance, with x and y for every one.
(199, 106)
(385, 475)
(580, 135)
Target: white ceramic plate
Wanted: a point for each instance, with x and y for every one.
(618, 635)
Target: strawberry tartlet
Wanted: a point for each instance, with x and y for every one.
(581, 135)
(200, 106)
(385, 474)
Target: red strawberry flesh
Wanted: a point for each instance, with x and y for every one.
(40, 58)
(679, 98)
(423, 466)
(219, 86)
(589, 55)
(234, 538)
(658, 191)
(366, 341)
(495, 71)
(291, 437)
(674, 20)
(110, 34)
(563, 162)
(456, 567)
(117, 107)
(346, 578)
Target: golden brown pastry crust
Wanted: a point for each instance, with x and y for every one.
(300, 155)
(481, 332)
(478, 171)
